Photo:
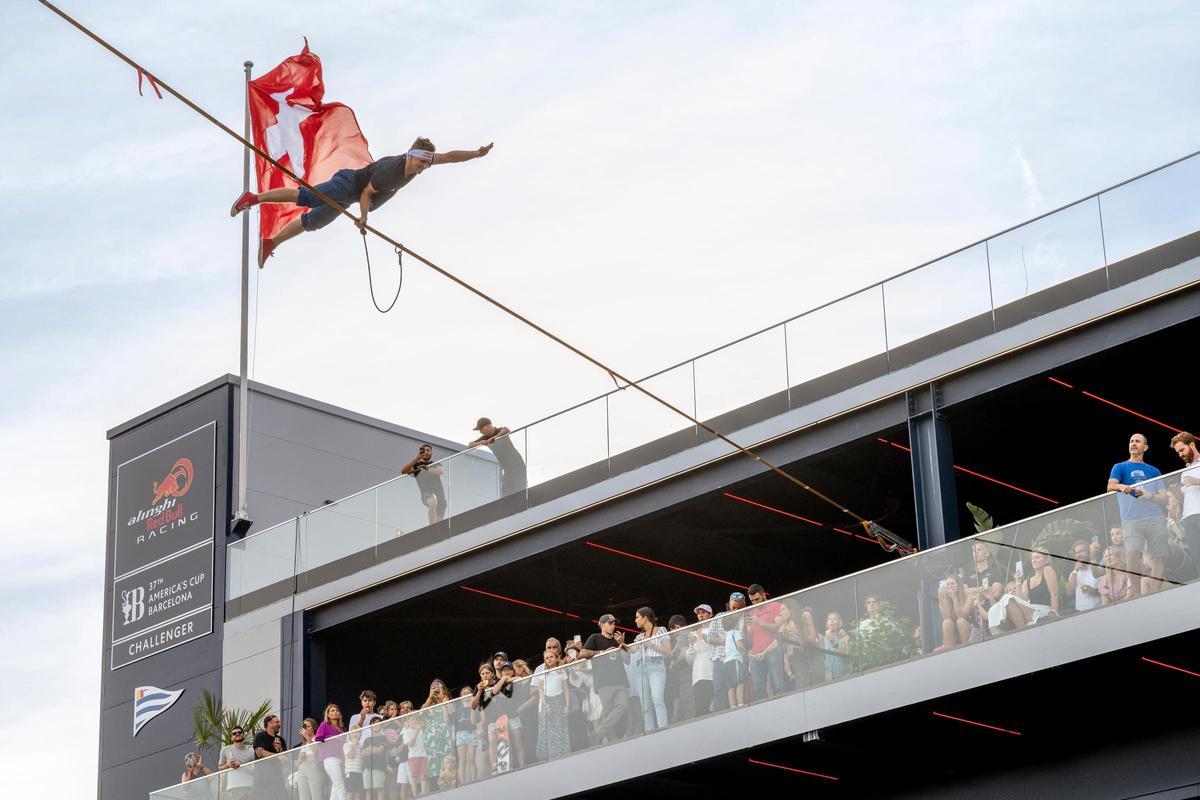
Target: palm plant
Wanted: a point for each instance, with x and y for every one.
(212, 722)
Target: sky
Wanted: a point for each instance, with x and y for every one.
(667, 176)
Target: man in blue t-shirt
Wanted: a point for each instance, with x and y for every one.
(1143, 518)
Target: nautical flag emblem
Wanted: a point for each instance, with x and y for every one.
(149, 702)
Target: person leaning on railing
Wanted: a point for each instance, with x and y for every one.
(238, 783)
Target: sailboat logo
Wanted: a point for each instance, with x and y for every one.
(149, 702)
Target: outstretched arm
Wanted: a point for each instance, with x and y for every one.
(456, 156)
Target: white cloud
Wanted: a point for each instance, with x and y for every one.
(1033, 195)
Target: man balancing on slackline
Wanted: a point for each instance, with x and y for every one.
(370, 186)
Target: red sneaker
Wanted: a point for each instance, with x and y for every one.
(265, 248)
(244, 202)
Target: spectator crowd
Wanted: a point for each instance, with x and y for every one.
(611, 687)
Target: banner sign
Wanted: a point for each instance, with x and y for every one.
(163, 554)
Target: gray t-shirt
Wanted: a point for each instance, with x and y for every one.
(387, 177)
(237, 777)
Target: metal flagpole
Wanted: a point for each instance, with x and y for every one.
(241, 520)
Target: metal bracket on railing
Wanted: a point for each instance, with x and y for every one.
(887, 540)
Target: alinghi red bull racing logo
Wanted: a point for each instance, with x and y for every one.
(176, 483)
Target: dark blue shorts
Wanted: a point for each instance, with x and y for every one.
(339, 188)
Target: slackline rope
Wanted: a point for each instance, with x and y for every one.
(371, 281)
(882, 536)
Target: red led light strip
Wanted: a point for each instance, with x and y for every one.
(756, 504)
(793, 769)
(520, 602)
(972, 472)
(976, 724)
(1171, 666)
(535, 605)
(1137, 414)
(667, 566)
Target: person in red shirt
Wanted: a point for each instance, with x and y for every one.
(765, 658)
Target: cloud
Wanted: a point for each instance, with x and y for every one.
(1034, 201)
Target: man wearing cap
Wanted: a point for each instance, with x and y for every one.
(609, 678)
(699, 655)
(512, 466)
(715, 634)
(370, 186)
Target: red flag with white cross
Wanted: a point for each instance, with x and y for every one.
(296, 127)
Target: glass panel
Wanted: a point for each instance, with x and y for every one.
(567, 443)
(1152, 210)
(950, 614)
(402, 509)
(888, 613)
(913, 309)
(338, 530)
(258, 561)
(927, 603)
(849, 332)
(741, 374)
(1046, 252)
(474, 478)
(827, 657)
(635, 419)
(489, 472)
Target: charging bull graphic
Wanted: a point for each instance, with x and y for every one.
(176, 483)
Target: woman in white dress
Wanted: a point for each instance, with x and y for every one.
(1030, 600)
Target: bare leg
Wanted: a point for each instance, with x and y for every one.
(519, 746)
(1134, 564)
(1158, 568)
(1018, 615)
(964, 630)
(948, 631)
(290, 231)
(279, 196)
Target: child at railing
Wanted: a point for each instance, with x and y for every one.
(352, 756)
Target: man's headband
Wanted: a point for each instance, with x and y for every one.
(424, 155)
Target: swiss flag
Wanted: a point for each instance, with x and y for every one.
(297, 128)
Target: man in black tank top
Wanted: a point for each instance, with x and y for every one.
(512, 467)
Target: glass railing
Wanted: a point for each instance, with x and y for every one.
(1108, 550)
(1049, 262)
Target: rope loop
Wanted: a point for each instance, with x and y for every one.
(371, 280)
